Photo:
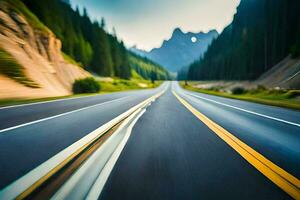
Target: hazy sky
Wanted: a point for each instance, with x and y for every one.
(146, 23)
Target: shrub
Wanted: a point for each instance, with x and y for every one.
(238, 90)
(215, 88)
(293, 93)
(261, 88)
(276, 92)
(86, 85)
(124, 82)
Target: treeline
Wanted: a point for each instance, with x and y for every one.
(262, 33)
(148, 69)
(85, 41)
(183, 73)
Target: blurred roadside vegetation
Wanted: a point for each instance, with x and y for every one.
(12, 69)
(114, 85)
(260, 94)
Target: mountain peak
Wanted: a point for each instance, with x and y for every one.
(213, 31)
(181, 49)
(177, 31)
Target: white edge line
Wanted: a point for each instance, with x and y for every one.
(67, 188)
(59, 115)
(248, 111)
(49, 101)
(70, 185)
(21, 184)
(98, 186)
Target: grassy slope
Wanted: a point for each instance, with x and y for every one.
(280, 99)
(12, 69)
(10, 102)
(70, 60)
(135, 83)
(146, 68)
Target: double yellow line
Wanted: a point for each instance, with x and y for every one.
(277, 175)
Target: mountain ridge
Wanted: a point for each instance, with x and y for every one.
(179, 50)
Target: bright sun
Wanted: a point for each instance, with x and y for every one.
(194, 39)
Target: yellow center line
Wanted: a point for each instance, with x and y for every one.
(280, 177)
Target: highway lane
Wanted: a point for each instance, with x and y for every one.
(278, 141)
(26, 147)
(20, 114)
(171, 154)
(284, 114)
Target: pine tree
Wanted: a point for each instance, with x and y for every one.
(262, 34)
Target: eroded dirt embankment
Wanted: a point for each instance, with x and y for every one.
(39, 52)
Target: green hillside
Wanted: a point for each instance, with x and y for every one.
(148, 69)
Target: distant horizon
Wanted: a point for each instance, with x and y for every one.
(146, 24)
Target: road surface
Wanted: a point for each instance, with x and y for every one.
(171, 154)
(32, 134)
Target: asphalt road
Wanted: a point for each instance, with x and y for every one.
(32, 134)
(16, 115)
(257, 125)
(170, 154)
(173, 155)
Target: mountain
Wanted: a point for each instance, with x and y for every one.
(179, 50)
(262, 33)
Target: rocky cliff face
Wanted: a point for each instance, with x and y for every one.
(39, 52)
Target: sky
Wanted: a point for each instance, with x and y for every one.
(146, 23)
